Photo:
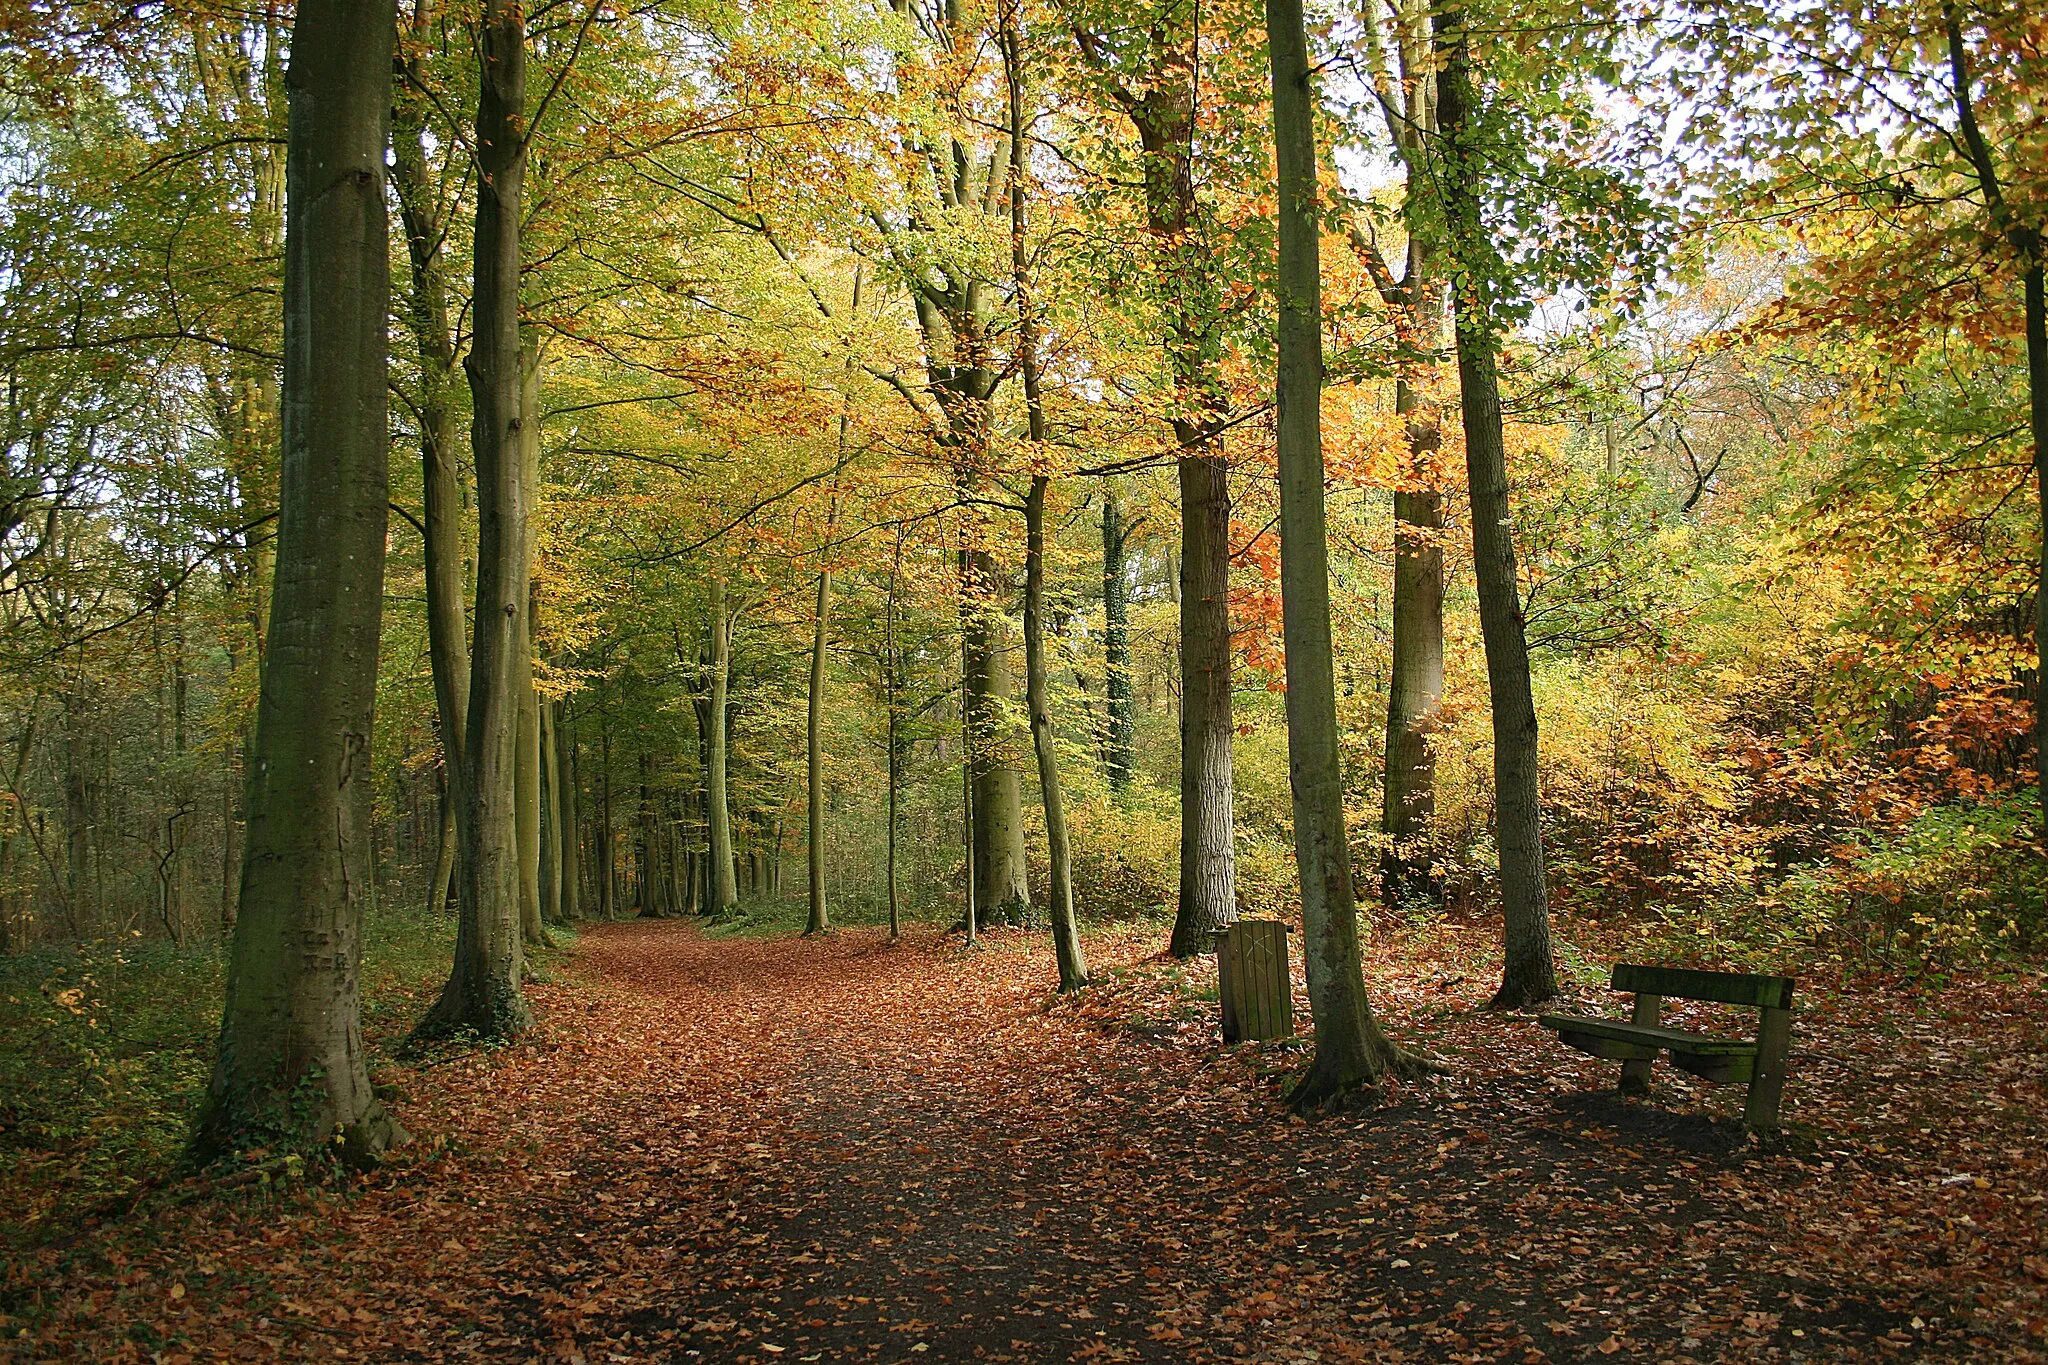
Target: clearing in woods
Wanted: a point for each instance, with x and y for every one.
(842, 1150)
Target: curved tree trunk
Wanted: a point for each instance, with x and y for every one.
(483, 993)
(1529, 972)
(1351, 1052)
(1066, 930)
(291, 1045)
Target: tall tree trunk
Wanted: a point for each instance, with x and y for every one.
(527, 747)
(969, 824)
(607, 848)
(814, 765)
(1399, 58)
(291, 1045)
(1208, 859)
(483, 993)
(80, 906)
(1164, 118)
(568, 816)
(1002, 887)
(421, 213)
(1529, 973)
(645, 892)
(892, 684)
(2037, 409)
(1416, 682)
(444, 852)
(550, 819)
(1066, 931)
(725, 897)
(1351, 1052)
(1119, 742)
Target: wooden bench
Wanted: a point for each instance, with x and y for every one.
(1636, 1041)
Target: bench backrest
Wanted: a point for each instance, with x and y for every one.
(1686, 983)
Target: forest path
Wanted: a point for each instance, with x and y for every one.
(733, 1149)
(843, 1150)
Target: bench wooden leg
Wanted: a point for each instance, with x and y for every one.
(1635, 1073)
(1767, 1086)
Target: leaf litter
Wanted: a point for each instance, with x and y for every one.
(841, 1150)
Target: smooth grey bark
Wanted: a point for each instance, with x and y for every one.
(1164, 120)
(1002, 886)
(290, 1065)
(1415, 684)
(527, 746)
(1351, 1052)
(718, 811)
(1120, 737)
(483, 993)
(568, 816)
(892, 695)
(969, 824)
(956, 303)
(814, 762)
(1399, 57)
(649, 893)
(421, 212)
(1529, 971)
(550, 820)
(607, 847)
(1208, 856)
(443, 880)
(1066, 931)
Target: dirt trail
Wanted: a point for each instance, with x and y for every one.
(746, 1150)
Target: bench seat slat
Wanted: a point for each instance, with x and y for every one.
(1686, 983)
(1720, 1068)
(1649, 1035)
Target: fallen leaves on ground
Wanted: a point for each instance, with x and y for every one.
(841, 1149)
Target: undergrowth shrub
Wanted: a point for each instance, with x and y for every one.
(105, 1047)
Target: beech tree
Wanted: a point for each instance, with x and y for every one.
(291, 1027)
(424, 212)
(1400, 58)
(483, 993)
(1066, 929)
(1529, 972)
(1152, 73)
(1351, 1052)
